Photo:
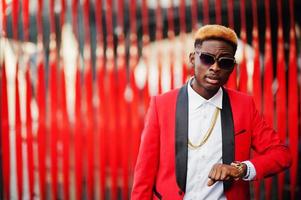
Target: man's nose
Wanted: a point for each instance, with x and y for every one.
(214, 67)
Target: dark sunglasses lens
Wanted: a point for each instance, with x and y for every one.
(207, 59)
(226, 63)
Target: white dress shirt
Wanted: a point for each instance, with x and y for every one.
(201, 160)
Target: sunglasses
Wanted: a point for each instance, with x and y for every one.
(223, 62)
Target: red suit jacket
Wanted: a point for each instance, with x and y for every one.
(161, 167)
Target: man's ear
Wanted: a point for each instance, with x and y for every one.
(191, 59)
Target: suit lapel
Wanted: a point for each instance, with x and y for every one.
(181, 133)
(227, 133)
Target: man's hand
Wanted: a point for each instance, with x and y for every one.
(222, 172)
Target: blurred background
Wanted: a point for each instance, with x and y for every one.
(77, 76)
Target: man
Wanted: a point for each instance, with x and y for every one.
(197, 139)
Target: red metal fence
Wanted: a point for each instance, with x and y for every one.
(76, 77)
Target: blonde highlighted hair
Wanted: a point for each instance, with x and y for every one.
(215, 31)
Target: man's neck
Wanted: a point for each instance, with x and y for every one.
(205, 93)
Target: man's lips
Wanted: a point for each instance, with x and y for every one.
(212, 80)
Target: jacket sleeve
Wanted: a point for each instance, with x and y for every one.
(148, 156)
(273, 155)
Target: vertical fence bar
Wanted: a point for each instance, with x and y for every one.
(5, 134)
(268, 100)
(281, 94)
(88, 101)
(41, 101)
(243, 76)
(53, 86)
(218, 12)
(111, 97)
(101, 77)
(206, 12)
(194, 14)
(232, 81)
(293, 103)
(257, 83)
(29, 133)
(123, 104)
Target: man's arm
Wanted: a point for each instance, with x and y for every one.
(273, 155)
(148, 156)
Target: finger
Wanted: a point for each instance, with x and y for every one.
(218, 173)
(224, 174)
(215, 171)
(210, 182)
(212, 172)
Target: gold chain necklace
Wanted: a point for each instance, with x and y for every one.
(208, 133)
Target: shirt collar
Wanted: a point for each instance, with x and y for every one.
(195, 100)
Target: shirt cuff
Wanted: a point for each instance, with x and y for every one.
(251, 171)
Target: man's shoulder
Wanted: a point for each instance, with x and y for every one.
(238, 97)
(236, 93)
(168, 96)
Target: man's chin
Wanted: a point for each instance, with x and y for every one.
(212, 87)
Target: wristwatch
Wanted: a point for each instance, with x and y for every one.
(239, 166)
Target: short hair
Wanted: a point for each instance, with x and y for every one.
(218, 32)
